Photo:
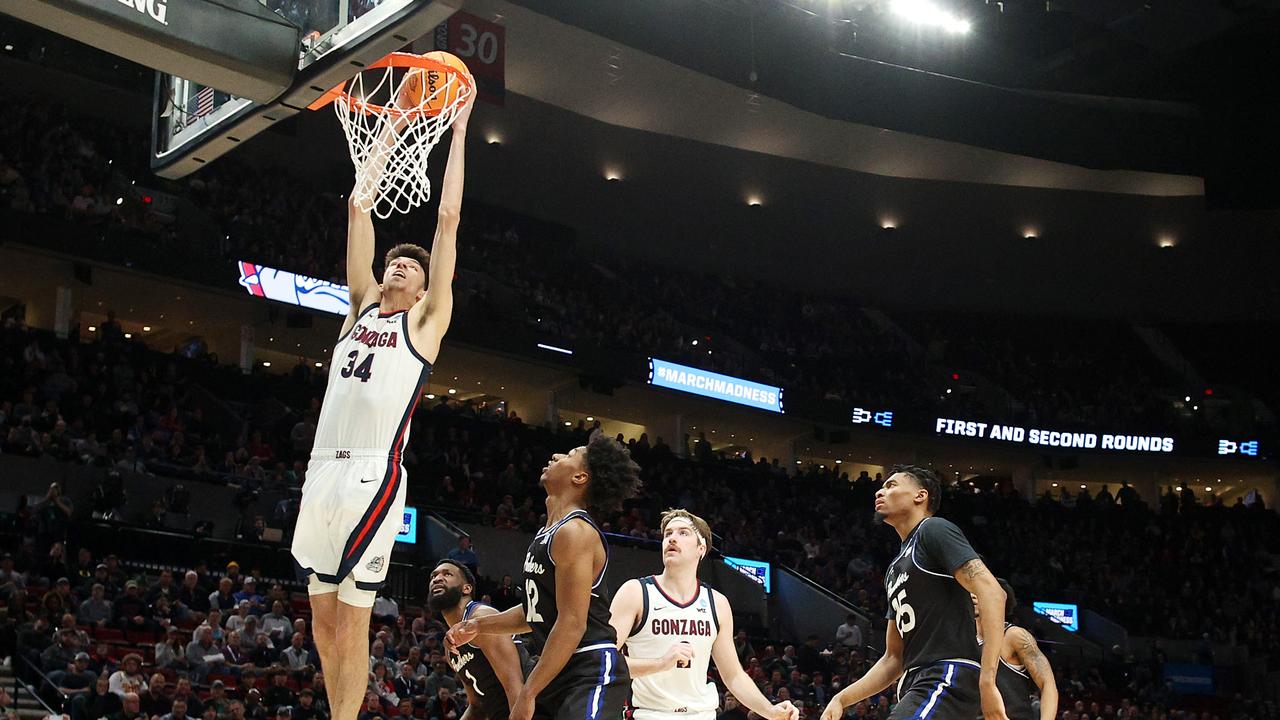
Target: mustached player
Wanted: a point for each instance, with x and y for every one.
(930, 647)
(580, 675)
(672, 626)
(353, 500)
(1022, 666)
(489, 666)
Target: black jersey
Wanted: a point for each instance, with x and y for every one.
(540, 591)
(477, 673)
(932, 611)
(1015, 685)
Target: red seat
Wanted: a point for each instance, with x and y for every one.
(106, 634)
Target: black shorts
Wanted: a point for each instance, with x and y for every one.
(945, 690)
(594, 685)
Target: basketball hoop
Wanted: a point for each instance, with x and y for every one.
(393, 113)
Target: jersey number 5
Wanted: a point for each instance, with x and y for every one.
(903, 616)
(363, 371)
(531, 591)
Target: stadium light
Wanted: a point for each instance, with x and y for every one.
(925, 12)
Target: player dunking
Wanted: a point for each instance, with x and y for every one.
(579, 675)
(670, 641)
(1022, 666)
(490, 665)
(354, 496)
(930, 647)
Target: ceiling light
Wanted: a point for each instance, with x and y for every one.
(266, 363)
(431, 396)
(888, 224)
(1029, 234)
(493, 139)
(146, 328)
(590, 419)
(1166, 241)
(128, 336)
(755, 200)
(924, 12)
(612, 174)
(319, 364)
(453, 391)
(93, 328)
(119, 201)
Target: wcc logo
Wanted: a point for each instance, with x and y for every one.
(157, 9)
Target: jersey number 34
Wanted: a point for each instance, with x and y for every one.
(362, 371)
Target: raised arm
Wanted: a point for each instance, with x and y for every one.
(508, 622)
(878, 677)
(1037, 665)
(738, 682)
(433, 314)
(978, 580)
(360, 279)
(503, 656)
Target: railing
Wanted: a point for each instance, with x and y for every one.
(19, 684)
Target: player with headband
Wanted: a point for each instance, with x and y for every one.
(671, 626)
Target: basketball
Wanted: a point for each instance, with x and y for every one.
(429, 89)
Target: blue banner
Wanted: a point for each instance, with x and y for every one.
(714, 385)
(1190, 678)
(409, 527)
(754, 569)
(1065, 614)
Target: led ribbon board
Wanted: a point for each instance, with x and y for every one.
(409, 527)
(754, 569)
(1065, 614)
(714, 385)
(286, 287)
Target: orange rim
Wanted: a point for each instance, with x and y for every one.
(396, 59)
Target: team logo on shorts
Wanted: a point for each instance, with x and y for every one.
(375, 564)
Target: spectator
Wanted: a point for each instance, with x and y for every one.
(465, 555)
(444, 706)
(250, 593)
(849, 634)
(203, 654)
(385, 610)
(98, 703)
(131, 611)
(191, 597)
(233, 653)
(96, 611)
(129, 678)
(297, 658)
(78, 680)
(130, 708)
(218, 700)
(507, 595)
(60, 658)
(306, 708)
(155, 701)
(408, 687)
(195, 708)
(372, 709)
(223, 598)
(171, 654)
(177, 711)
(438, 679)
(276, 624)
(732, 709)
(279, 694)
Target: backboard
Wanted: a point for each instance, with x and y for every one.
(193, 124)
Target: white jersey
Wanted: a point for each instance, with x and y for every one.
(663, 623)
(375, 380)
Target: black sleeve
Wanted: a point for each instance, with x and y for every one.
(945, 547)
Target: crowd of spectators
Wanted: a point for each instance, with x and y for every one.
(1187, 569)
(823, 347)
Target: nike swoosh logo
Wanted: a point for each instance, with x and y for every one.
(362, 482)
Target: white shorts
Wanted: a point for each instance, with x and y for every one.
(352, 510)
(643, 714)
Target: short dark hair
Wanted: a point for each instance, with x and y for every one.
(615, 477)
(1010, 599)
(411, 251)
(927, 481)
(467, 575)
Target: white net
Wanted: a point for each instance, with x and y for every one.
(392, 121)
